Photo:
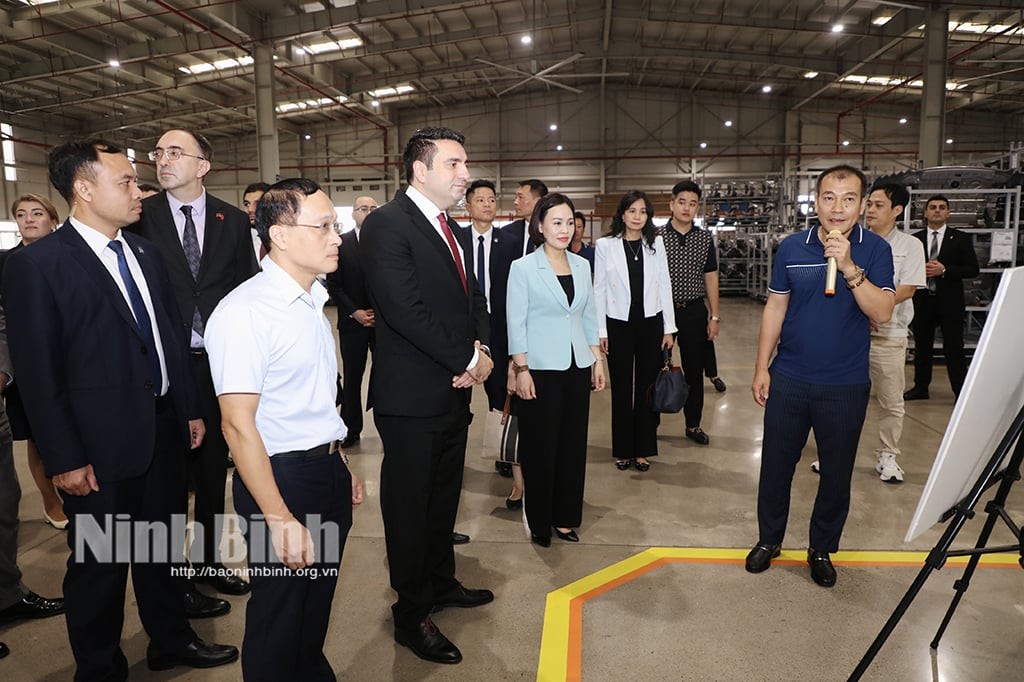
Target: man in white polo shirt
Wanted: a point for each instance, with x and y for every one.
(273, 364)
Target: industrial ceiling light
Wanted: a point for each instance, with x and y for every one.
(526, 40)
(375, 103)
(703, 145)
(949, 140)
(553, 127)
(728, 124)
(903, 120)
(559, 148)
(114, 63)
(846, 143)
(307, 137)
(837, 28)
(811, 74)
(766, 89)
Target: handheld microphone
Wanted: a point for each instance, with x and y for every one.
(831, 270)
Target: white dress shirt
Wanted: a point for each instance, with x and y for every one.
(270, 337)
(198, 217)
(99, 243)
(488, 237)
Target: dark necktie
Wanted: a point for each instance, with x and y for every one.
(933, 253)
(455, 250)
(481, 280)
(190, 243)
(142, 320)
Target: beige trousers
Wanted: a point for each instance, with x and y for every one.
(889, 380)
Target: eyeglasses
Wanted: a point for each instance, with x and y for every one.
(322, 228)
(172, 154)
(365, 209)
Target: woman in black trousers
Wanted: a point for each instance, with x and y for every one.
(552, 338)
(636, 322)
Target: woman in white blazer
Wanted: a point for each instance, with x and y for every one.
(636, 322)
(552, 338)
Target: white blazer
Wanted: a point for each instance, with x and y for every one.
(611, 284)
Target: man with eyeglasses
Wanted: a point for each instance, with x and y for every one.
(276, 388)
(347, 286)
(819, 378)
(206, 246)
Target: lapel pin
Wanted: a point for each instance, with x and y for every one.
(220, 216)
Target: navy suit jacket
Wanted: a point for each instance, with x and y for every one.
(426, 321)
(347, 284)
(80, 359)
(227, 260)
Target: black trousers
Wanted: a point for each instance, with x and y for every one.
(288, 611)
(11, 589)
(692, 337)
(420, 485)
(710, 360)
(836, 414)
(553, 448)
(94, 586)
(207, 467)
(356, 342)
(927, 316)
(634, 356)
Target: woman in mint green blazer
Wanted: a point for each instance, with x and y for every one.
(557, 360)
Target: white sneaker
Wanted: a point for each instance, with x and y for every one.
(815, 468)
(887, 468)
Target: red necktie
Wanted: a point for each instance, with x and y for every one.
(455, 250)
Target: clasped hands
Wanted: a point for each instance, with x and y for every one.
(481, 370)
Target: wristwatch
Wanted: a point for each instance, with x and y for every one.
(715, 318)
(485, 350)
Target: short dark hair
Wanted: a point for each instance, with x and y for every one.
(578, 215)
(540, 211)
(477, 184)
(538, 188)
(841, 171)
(897, 194)
(69, 161)
(686, 186)
(421, 147)
(937, 197)
(146, 187)
(256, 187)
(649, 231)
(281, 204)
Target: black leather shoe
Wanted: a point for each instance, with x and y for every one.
(697, 435)
(222, 580)
(641, 466)
(513, 504)
(459, 538)
(760, 558)
(4, 650)
(199, 605)
(32, 606)
(464, 598)
(427, 642)
(542, 540)
(822, 571)
(198, 654)
(916, 393)
(719, 384)
(504, 469)
(568, 537)
(348, 441)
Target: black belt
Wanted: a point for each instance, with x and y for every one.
(318, 451)
(692, 301)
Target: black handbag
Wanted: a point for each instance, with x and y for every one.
(669, 392)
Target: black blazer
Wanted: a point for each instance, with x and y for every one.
(228, 258)
(80, 360)
(957, 254)
(498, 268)
(347, 284)
(426, 322)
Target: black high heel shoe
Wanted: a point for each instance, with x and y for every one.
(641, 466)
(568, 537)
(513, 504)
(623, 464)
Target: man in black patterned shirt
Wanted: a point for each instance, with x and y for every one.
(693, 269)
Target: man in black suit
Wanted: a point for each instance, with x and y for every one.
(347, 286)
(431, 334)
(99, 350)
(206, 246)
(515, 243)
(950, 260)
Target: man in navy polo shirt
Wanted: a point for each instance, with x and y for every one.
(819, 378)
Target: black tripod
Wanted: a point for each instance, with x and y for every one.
(960, 514)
